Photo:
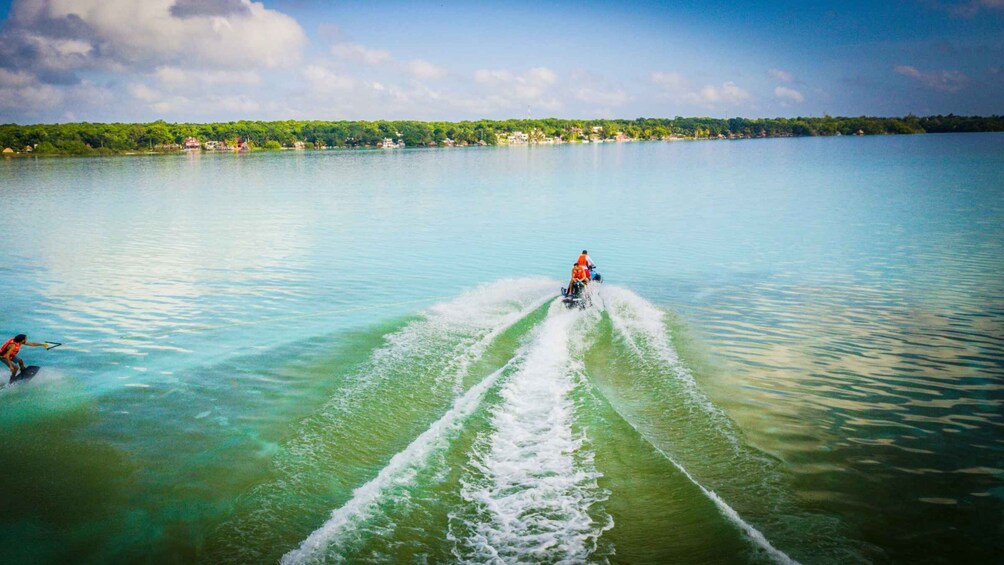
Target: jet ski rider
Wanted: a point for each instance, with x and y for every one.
(586, 263)
(578, 276)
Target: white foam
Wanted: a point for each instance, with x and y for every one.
(401, 469)
(534, 482)
(642, 326)
(456, 332)
(755, 535)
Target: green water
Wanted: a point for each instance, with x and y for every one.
(357, 357)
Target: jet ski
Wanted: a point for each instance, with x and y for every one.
(579, 296)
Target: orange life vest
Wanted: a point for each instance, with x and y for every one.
(578, 272)
(583, 261)
(10, 349)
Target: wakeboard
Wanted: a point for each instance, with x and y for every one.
(26, 373)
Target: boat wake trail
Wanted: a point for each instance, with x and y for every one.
(531, 492)
(648, 405)
(406, 385)
(401, 470)
(642, 327)
(472, 435)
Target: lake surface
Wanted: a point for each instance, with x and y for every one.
(356, 356)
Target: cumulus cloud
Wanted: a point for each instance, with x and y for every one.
(360, 53)
(679, 89)
(329, 92)
(124, 35)
(788, 94)
(424, 69)
(196, 8)
(727, 93)
(142, 92)
(671, 82)
(595, 89)
(24, 94)
(176, 77)
(505, 89)
(592, 95)
(356, 53)
(944, 80)
(14, 79)
(324, 80)
(184, 102)
(783, 76)
(29, 96)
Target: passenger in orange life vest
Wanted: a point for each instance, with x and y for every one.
(578, 275)
(8, 351)
(586, 263)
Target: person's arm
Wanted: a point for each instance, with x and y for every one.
(33, 344)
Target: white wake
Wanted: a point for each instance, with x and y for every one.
(532, 492)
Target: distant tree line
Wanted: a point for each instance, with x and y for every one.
(98, 138)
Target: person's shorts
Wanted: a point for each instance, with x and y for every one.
(16, 360)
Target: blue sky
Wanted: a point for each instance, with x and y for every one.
(218, 60)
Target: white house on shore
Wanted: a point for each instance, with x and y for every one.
(389, 143)
(514, 138)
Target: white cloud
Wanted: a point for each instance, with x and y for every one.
(944, 81)
(322, 79)
(507, 90)
(125, 34)
(529, 84)
(424, 69)
(165, 104)
(789, 94)
(727, 93)
(360, 53)
(679, 89)
(177, 77)
(356, 53)
(333, 94)
(30, 97)
(673, 83)
(143, 92)
(9, 79)
(23, 93)
(783, 76)
(485, 76)
(596, 90)
(590, 95)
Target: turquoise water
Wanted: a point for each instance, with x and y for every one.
(797, 355)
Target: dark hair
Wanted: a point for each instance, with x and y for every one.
(20, 338)
(584, 252)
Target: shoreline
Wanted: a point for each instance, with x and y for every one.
(83, 138)
(259, 150)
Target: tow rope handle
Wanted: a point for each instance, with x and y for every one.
(52, 345)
